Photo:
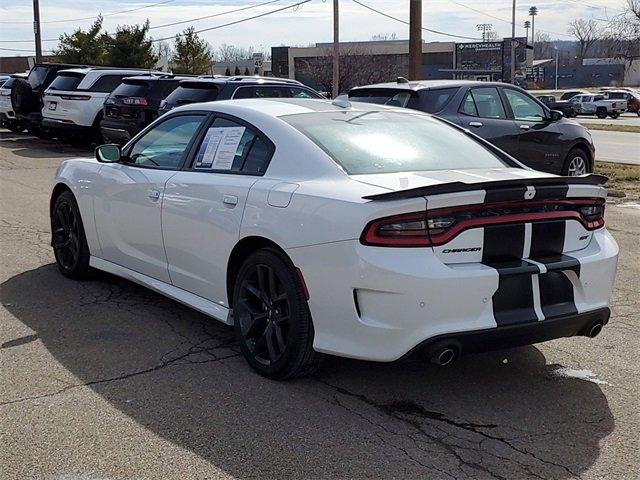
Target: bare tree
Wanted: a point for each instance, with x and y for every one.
(384, 37)
(624, 32)
(586, 32)
(231, 53)
(355, 68)
(544, 45)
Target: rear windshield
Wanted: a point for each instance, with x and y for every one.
(386, 142)
(193, 92)
(66, 81)
(37, 76)
(385, 96)
(131, 88)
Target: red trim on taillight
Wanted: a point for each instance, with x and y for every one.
(427, 237)
(135, 101)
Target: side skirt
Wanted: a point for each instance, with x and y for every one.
(196, 302)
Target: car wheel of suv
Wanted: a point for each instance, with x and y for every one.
(272, 321)
(614, 115)
(601, 112)
(15, 126)
(68, 239)
(577, 163)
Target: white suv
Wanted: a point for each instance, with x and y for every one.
(73, 102)
(7, 116)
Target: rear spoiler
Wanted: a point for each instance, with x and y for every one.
(555, 183)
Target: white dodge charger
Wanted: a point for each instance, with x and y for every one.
(329, 228)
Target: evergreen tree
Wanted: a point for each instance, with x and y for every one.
(83, 48)
(246, 71)
(227, 72)
(236, 71)
(130, 47)
(191, 54)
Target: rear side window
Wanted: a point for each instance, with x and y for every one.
(106, 83)
(66, 81)
(435, 100)
(233, 147)
(193, 92)
(385, 96)
(272, 91)
(483, 102)
(131, 88)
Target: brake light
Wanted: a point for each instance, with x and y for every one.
(439, 226)
(135, 101)
(75, 97)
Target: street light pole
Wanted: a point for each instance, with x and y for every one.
(335, 88)
(415, 39)
(513, 42)
(36, 30)
(556, 68)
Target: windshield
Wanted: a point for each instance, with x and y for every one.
(193, 92)
(386, 142)
(66, 81)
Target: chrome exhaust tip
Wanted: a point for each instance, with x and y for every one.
(444, 356)
(595, 330)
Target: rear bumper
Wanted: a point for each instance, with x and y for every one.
(66, 125)
(477, 341)
(378, 304)
(120, 132)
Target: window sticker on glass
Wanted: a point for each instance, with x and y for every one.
(219, 148)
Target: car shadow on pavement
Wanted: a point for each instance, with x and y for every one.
(22, 146)
(179, 375)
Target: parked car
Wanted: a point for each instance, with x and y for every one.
(134, 104)
(632, 98)
(7, 115)
(504, 114)
(73, 102)
(226, 88)
(334, 228)
(597, 104)
(572, 93)
(26, 95)
(563, 106)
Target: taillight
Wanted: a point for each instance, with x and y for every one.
(440, 226)
(135, 101)
(75, 97)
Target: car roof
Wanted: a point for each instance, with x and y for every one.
(155, 77)
(279, 107)
(217, 79)
(428, 84)
(112, 70)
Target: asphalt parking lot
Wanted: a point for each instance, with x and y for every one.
(105, 379)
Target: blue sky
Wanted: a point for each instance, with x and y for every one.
(305, 25)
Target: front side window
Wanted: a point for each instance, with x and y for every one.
(231, 146)
(297, 92)
(164, 145)
(524, 107)
(483, 102)
(387, 141)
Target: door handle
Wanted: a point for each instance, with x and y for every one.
(524, 127)
(154, 194)
(475, 124)
(229, 199)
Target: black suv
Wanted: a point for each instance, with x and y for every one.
(501, 113)
(226, 88)
(26, 94)
(134, 104)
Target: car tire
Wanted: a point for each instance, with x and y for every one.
(576, 163)
(68, 239)
(601, 112)
(15, 126)
(23, 100)
(272, 321)
(614, 115)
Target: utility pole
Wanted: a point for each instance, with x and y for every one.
(513, 42)
(415, 39)
(36, 30)
(336, 51)
(556, 48)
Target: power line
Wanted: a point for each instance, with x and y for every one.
(20, 50)
(407, 23)
(214, 15)
(235, 22)
(227, 12)
(103, 15)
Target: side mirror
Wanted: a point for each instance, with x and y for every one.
(555, 115)
(109, 153)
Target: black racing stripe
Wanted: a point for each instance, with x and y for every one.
(547, 238)
(560, 262)
(502, 243)
(551, 191)
(504, 194)
(556, 294)
(513, 301)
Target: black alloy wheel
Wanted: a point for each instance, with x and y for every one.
(271, 317)
(67, 237)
